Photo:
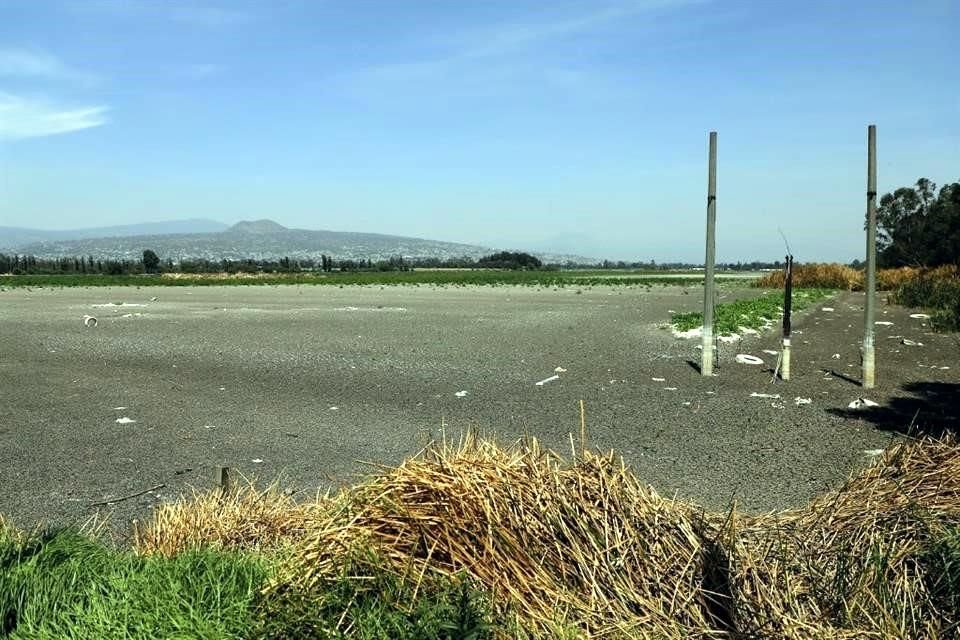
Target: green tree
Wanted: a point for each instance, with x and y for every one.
(151, 261)
(918, 226)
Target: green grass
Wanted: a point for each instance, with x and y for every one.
(493, 277)
(64, 585)
(754, 314)
(940, 295)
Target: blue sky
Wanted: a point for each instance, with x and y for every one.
(563, 125)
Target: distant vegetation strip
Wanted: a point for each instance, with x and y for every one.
(452, 277)
(758, 313)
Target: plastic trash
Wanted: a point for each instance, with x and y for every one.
(89, 321)
(746, 358)
(542, 382)
(862, 403)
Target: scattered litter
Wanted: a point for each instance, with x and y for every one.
(89, 321)
(883, 323)
(154, 299)
(711, 393)
(911, 343)
(770, 352)
(119, 408)
(539, 384)
(835, 356)
(132, 315)
(659, 379)
(826, 309)
(777, 405)
(920, 316)
(872, 452)
(801, 401)
(223, 388)
(944, 368)
(461, 394)
(209, 426)
(686, 404)
(774, 396)
(125, 420)
(862, 403)
(336, 408)
(670, 388)
(745, 358)
(560, 370)
(257, 460)
(729, 338)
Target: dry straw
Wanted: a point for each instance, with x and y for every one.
(586, 546)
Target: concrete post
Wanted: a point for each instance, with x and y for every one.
(706, 361)
(870, 286)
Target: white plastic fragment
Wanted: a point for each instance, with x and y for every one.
(659, 379)
(872, 452)
(835, 356)
(826, 309)
(883, 323)
(544, 381)
(336, 408)
(862, 403)
(770, 352)
(461, 394)
(911, 343)
(746, 358)
(670, 388)
(920, 316)
(775, 396)
(125, 420)
(257, 460)
(802, 401)
(89, 321)
(154, 299)
(560, 370)
(729, 338)
(119, 408)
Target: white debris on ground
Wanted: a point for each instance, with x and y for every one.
(747, 331)
(862, 403)
(560, 370)
(911, 343)
(336, 408)
(257, 460)
(696, 332)
(209, 426)
(117, 304)
(659, 379)
(125, 420)
(802, 401)
(462, 394)
(774, 396)
(826, 309)
(546, 380)
(835, 356)
(670, 388)
(770, 352)
(729, 338)
(154, 299)
(89, 321)
(872, 452)
(883, 323)
(746, 358)
(920, 316)
(119, 408)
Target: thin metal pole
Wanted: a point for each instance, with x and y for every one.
(706, 361)
(787, 307)
(869, 372)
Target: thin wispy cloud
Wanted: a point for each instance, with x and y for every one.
(32, 118)
(503, 50)
(513, 36)
(30, 64)
(188, 13)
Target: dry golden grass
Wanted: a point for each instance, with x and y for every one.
(584, 545)
(242, 518)
(840, 276)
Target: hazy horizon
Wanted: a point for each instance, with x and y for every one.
(570, 127)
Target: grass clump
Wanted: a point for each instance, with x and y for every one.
(814, 275)
(64, 584)
(757, 313)
(937, 290)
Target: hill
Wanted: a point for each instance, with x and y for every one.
(12, 238)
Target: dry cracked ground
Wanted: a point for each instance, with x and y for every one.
(312, 384)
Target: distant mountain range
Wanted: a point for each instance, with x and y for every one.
(258, 239)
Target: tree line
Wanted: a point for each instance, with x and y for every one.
(919, 226)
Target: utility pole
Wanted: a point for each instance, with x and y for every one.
(787, 305)
(869, 372)
(706, 362)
